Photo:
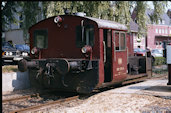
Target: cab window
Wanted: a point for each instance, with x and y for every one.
(41, 39)
(120, 41)
(84, 35)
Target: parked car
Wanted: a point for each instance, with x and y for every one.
(23, 48)
(139, 52)
(157, 53)
(11, 55)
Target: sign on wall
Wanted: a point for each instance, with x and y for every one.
(168, 54)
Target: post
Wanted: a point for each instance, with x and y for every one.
(168, 57)
(169, 74)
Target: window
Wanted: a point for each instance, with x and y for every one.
(120, 41)
(116, 39)
(84, 35)
(163, 31)
(166, 31)
(41, 39)
(156, 30)
(159, 22)
(159, 30)
(163, 22)
(109, 38)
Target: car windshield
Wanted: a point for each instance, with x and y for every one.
(22, 47)
(156, 51)
(7, 45)
(139, 50)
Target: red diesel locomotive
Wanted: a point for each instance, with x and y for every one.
(79, 54)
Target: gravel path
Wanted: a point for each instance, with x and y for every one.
(149, 96)
(136, 98)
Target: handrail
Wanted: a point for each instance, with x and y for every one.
(104, 45)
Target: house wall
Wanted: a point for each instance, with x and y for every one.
(156, 34)
(137, 43)
(15, 35)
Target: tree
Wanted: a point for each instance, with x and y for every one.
(119, 11)
(98, 9)
(159, 7)
(28, 10)
(142, 20)
(8, 8)
(141, 17)
(122, 12)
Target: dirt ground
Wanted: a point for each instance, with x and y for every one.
(150, 96)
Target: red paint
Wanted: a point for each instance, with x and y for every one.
(119, 59)
(101, 64)
(156, 33)
(62, 44)
(62, 40)
(129, 42)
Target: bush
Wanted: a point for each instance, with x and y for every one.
(9, 69)
(159, 61)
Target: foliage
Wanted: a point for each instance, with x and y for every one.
(119, 11)
(159, 61)
(8, 8)
(141, 17)
(98, 9)
(9, 68)
(29, 10)
(122, 12)
(159, 7)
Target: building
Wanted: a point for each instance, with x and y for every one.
(169, 13)
(138, 42)
(156, 33)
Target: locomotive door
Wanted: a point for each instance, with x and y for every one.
(107, 41)
(119, 56)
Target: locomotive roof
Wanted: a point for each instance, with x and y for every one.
(107, 23)
(100, 22)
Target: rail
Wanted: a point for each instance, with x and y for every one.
(33, 108)
(20, 98)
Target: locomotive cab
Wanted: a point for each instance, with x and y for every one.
(76, 53)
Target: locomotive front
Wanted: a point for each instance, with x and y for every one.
(65, 54)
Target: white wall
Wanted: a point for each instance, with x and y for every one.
(141, 43)
(15, 35)
(15, 81)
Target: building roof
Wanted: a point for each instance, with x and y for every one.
(164, 17)
(133, 26)
(169, 13)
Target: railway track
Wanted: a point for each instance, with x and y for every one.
(20, 98)
(38, 107)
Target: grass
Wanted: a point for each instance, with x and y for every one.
(7, 69)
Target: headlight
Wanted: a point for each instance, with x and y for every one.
(33, 51)
(84, 50)
(7, 53)
(10, 53)
(24, 54)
